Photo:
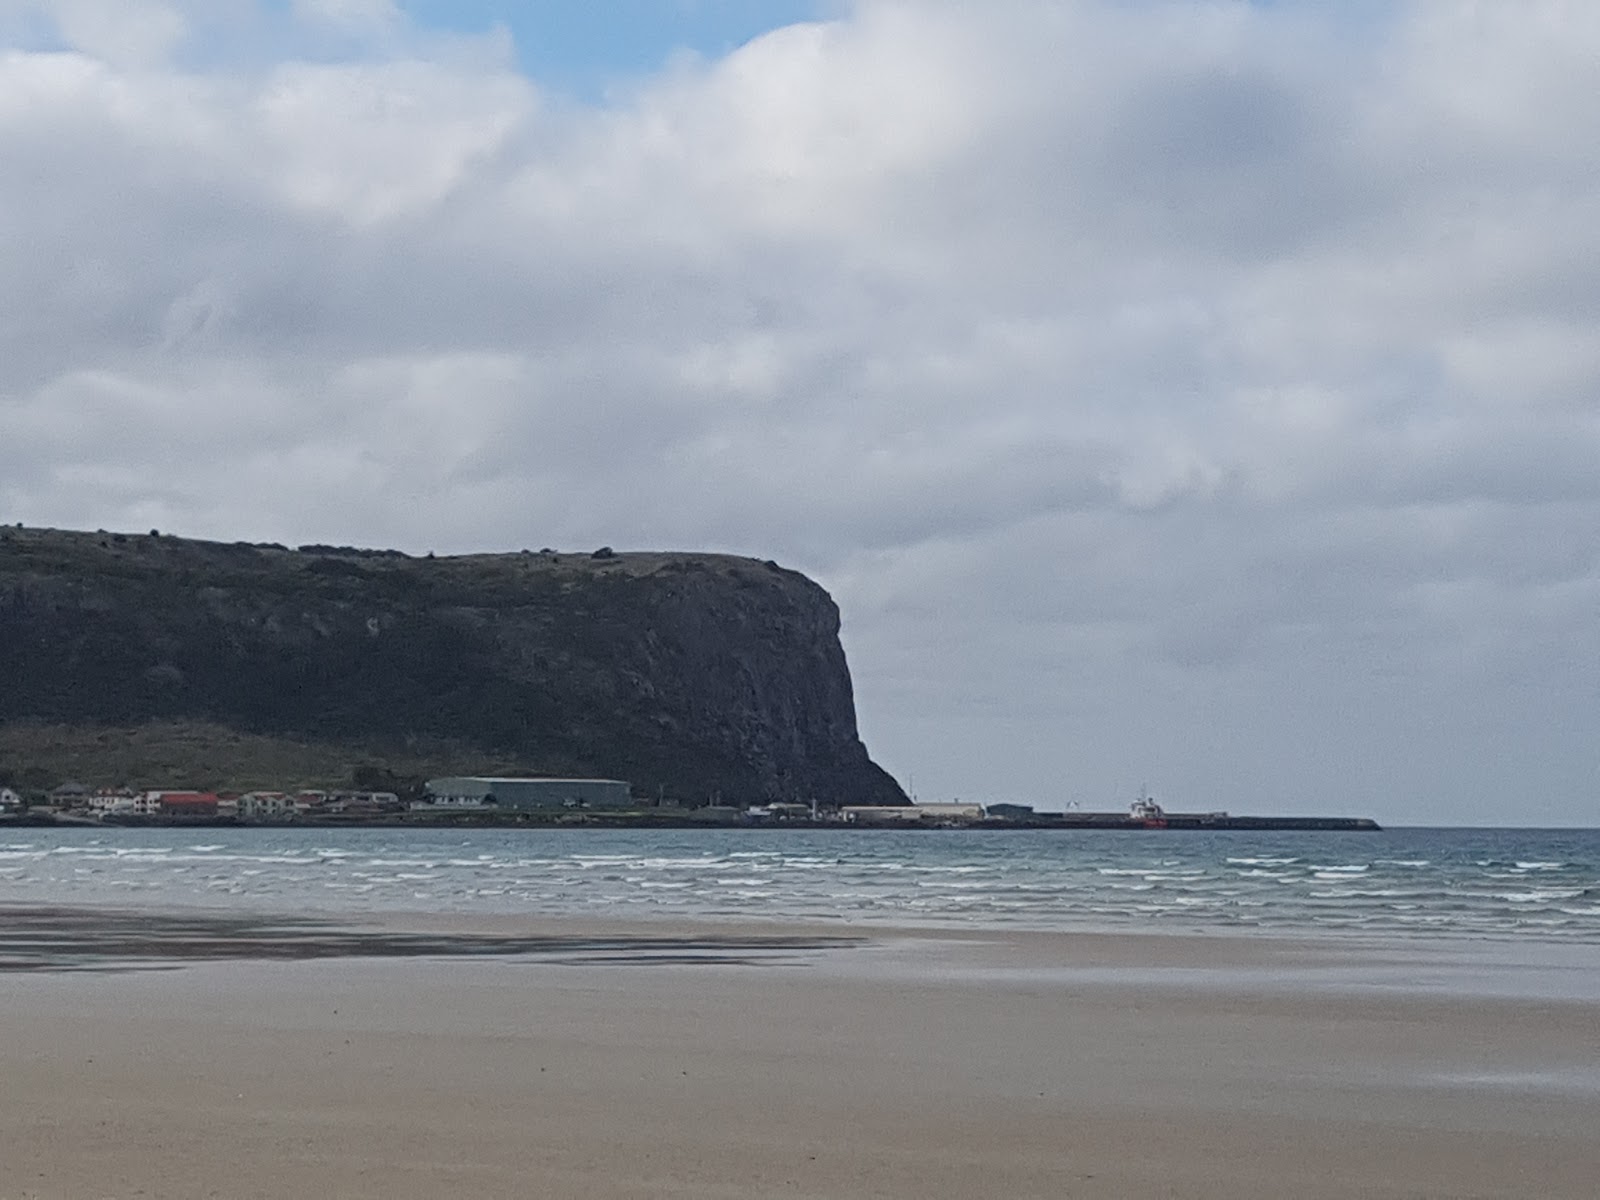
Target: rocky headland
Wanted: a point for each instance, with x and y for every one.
(696, 677)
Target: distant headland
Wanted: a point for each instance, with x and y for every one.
(146, 660)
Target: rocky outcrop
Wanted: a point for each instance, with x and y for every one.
(693, 676)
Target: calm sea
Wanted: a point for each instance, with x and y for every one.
(1539, 885)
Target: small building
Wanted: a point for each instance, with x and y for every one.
(432, 802)
(181, 804)
(532, 794)
(787, 810)
(880, 814)
(265, 806)
(113, 800)
(309, 801)
(9, 799)
(912, 814)
(954, 812)
(1011, 812)
(362, 804)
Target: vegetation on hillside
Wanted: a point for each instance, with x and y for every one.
(132, 657)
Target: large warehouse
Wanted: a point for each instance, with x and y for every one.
(529, 795)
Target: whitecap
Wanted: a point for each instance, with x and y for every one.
(1264, 861)
(1539, 895)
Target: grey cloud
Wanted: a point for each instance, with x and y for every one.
(1199, 394)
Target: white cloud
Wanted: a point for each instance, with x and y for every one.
(120, 32)
(390, 139)
(367, 17)
(1201, 394)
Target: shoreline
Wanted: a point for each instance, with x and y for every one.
(534, 819)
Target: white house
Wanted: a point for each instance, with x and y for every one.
(114, 801)
(265, 806)
(9, 799)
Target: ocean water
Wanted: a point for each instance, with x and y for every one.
(1527, 885)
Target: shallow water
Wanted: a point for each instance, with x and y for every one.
(1527, 885)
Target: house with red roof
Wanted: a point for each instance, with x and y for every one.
(181, 804)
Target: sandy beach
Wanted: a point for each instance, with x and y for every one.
(557, 1059)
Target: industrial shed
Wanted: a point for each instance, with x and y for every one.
(529, 795)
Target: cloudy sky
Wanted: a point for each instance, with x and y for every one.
(1202, 395)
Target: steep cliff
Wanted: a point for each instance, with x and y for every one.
(691, 675)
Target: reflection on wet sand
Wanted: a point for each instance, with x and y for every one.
(72, 939)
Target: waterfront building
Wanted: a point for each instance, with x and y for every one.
(178, 804)
(111, 800)
(265, 806)
(911, 814)
(70, 795)
(953, 811)
(1010, 812)
(532, 794)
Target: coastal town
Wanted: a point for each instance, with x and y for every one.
(535, 800)
(459, 800)
(73, 803)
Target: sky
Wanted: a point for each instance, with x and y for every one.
(1195, 396)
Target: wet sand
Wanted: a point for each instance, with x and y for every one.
(191, 1057)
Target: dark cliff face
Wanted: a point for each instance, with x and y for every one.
(690, 675)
